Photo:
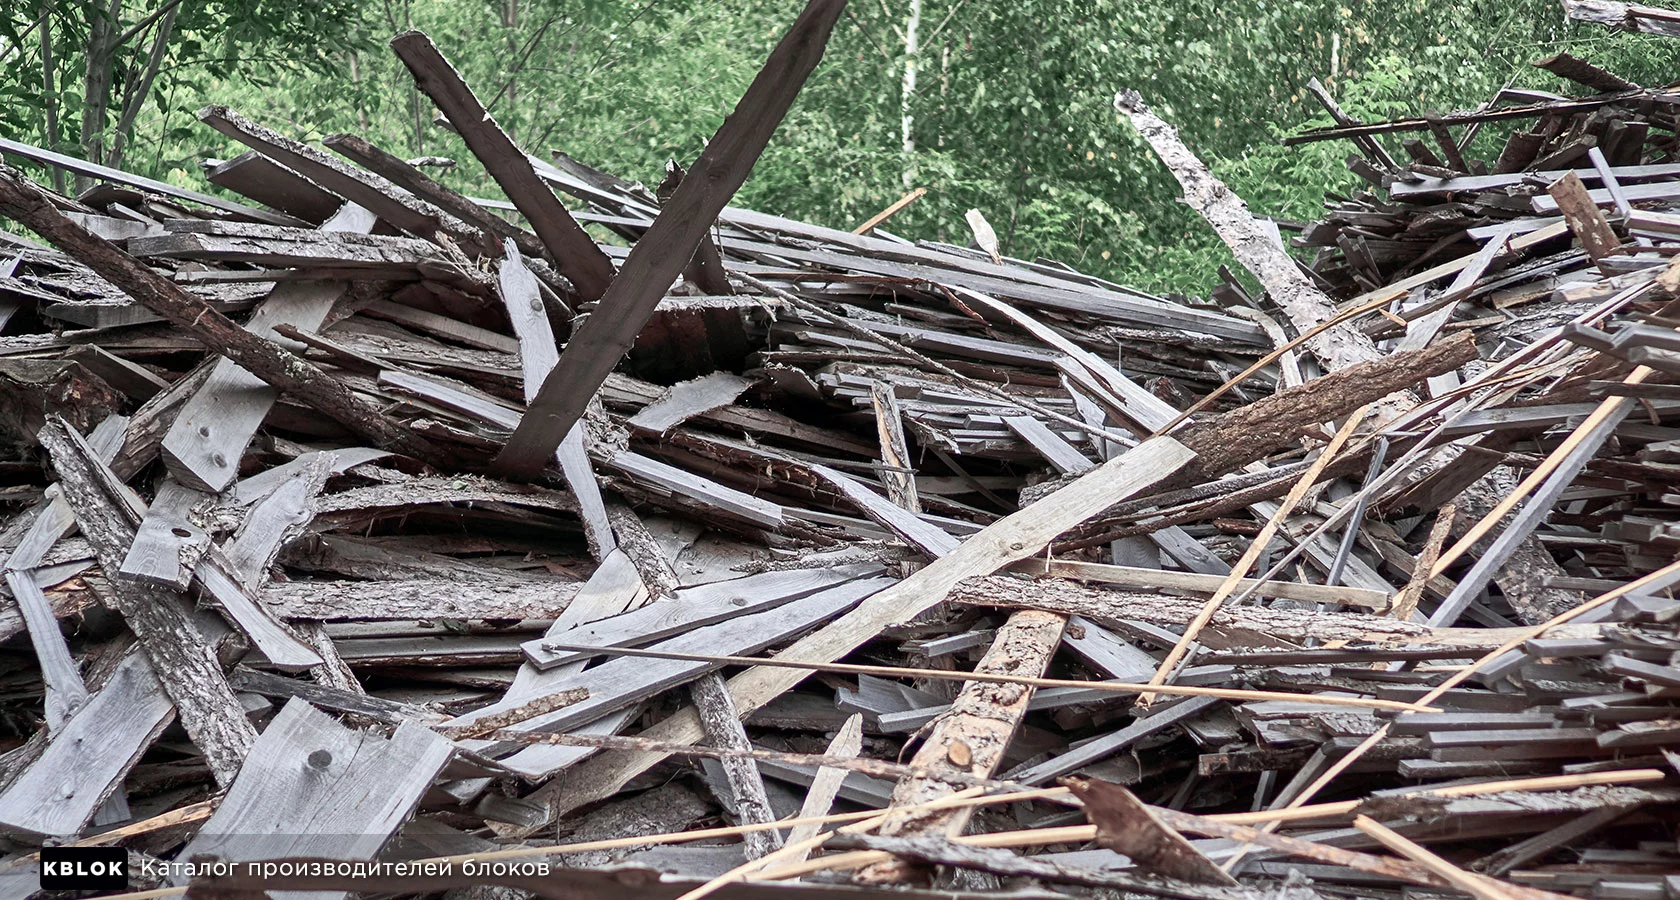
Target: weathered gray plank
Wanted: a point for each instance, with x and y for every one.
(931, 539)
(693, 607)
(1049, 444)
(688, 399)
(669, 243)
(203, 447)
(574, 252)
(168, 543)
(623, 681)
(1007, 540)
(704, 490)
(537, 355)
(181, 655)
(313, 788)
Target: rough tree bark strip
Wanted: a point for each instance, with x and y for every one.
(723, 727)
(573, 251)
(659, 257)
(1339, 347)
(23, 201)
(1011, 539)
(1231, 627)
(972, 738)
(1248, 433)
(185, 663)
(897, 474)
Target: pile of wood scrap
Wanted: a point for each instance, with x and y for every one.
(640, 543)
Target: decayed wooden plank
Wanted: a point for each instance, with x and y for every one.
(314, 788)
(168, 543)
(614, 587)
(204, 445)
(573, 251)
(383, 199)
(65, 690)
(723, 727)
(659, 257)
(82, 167)
(825, 785)
(271, 184)
(688, 399)
(931, 539)
(704, 490)
(90, 753)
(1145, 578)
(705, 270)
(274, 364)
(1132, 829)
(692, 607)
(537, 355)
(1049, 444)
(625, 680)
(1015, 537)
(897, 473)
(234, 575)
(184, 661)
(1584, 217)
(378, 161)
(424, 598)
(971, 740)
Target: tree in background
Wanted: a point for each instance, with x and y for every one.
(1001, 105)
(99, 62)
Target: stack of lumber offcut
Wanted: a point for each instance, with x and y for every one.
(626, 542)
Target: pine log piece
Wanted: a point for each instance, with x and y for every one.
(972, 737)
(23, 201)
(723, 727)
(1243, 435)
(1231, 628)
(1258, 250)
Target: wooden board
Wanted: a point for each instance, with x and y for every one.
(313, 788)
(89, 756)
(1008, 540)
(203, 447)
(693, 607)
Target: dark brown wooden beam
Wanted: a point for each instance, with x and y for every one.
(572, 249)
(659, 257)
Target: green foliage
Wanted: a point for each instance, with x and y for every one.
(1011, 113)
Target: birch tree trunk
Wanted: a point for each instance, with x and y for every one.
(907, 91)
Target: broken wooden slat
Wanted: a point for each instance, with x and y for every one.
(1018, 536)
(182, 658)
(688, 399)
